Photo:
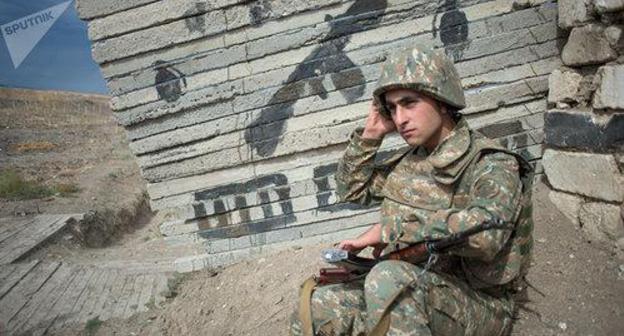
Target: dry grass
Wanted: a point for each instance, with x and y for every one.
(37, 146)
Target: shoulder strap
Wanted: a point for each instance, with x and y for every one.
(305, 310)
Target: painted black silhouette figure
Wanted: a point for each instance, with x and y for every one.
(196, 23)
(168, 81)
(453, 29)
(328, 58)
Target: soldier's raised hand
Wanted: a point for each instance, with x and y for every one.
(376, 125)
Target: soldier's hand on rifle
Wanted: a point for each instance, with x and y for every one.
(372, 237)
(352, 245)
(377, 249)
(376, 125)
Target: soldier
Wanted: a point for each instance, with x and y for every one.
(449, 179)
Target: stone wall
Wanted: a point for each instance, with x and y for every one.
(237, 111)
(584, 155)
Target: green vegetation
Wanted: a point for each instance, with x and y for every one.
(14, 187)
(92, 326)
(173, 284)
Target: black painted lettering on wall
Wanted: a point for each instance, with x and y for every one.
(453, 29)
(329, 59)
(259, 11)
(324, 191)
(196, 23)
(168, 81)
(502, 129)
(225, 229)
(321, 180)
(267, 209)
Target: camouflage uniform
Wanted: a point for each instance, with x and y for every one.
(466, 180)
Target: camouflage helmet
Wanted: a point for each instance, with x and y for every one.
(422, 69)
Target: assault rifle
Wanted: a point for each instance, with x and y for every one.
(349, 267)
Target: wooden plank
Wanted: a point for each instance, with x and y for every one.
(15, 227)
(88, 293)
(45, 226)
(133, 301)
(19, 296)
(124, 297)
(100, 304)
(39, 305)
(6, 225)
(113, 296)
(69, 309)
(6, 271)
(17, 274)
(96, 289)
(146, 292)
(62, 305)
(14, 246)
(160, 286)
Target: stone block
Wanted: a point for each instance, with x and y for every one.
(602, 221)
(615, 36)
(495, 96)
(130, 65)
(620, 159)
(587, 45)
(610, 92)
(157, 37)
(568, 204)
(89, 9)
(592, 175)
(564, 86)
(573, 13)
(608, 6)
(148, 16)
(583, 130)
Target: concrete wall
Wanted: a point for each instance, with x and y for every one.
(237, 111)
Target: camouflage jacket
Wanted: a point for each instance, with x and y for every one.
(466, 180)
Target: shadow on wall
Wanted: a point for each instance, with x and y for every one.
(327, 59)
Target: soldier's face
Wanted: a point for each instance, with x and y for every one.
(417, 117)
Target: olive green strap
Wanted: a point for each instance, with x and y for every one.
(381, 328)
(305, 311)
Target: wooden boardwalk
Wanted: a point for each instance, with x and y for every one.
(40, 296)
(20, 235)
(36, 297)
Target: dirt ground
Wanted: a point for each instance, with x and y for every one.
(578, 290)
(578, 285)
(56, 138)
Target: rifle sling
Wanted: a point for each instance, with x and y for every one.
(305, 309)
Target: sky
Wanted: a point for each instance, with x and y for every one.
(62, 58)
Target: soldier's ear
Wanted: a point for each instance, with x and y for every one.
(441, 107)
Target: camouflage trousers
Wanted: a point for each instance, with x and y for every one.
(427, 304)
